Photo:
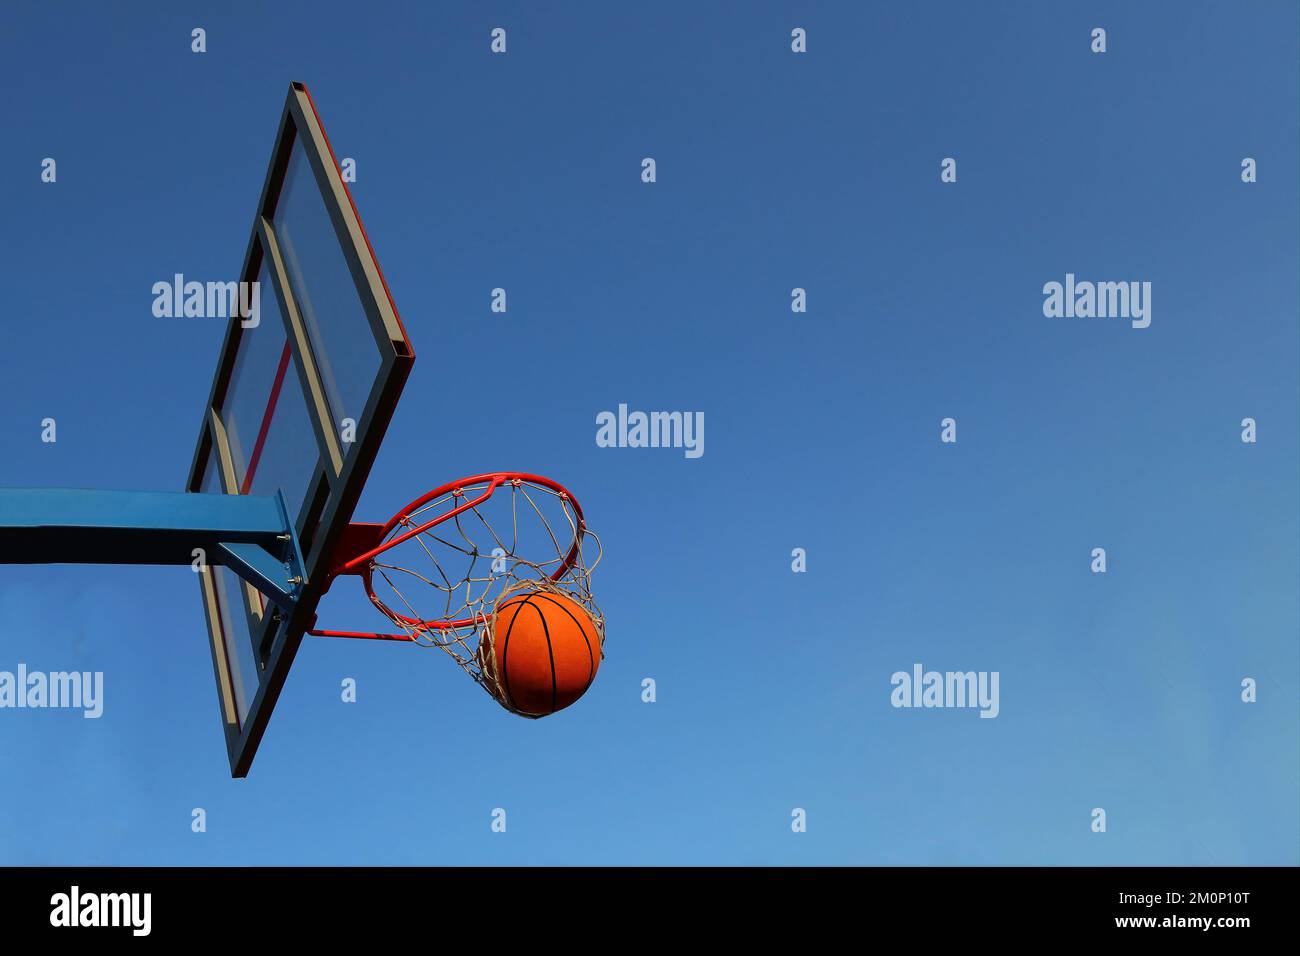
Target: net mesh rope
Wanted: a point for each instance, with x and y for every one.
(517, 540)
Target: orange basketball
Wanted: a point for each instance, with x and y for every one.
(544, 653)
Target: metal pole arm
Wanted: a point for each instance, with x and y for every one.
(72, 526)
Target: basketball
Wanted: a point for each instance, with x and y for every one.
(542, 654)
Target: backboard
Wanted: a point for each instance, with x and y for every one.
(310, 371)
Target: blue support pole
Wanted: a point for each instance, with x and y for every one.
(250, 534)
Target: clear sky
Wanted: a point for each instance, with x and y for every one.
(775, 170)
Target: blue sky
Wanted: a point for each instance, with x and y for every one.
(819, 171)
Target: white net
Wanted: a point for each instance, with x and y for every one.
(442, 585)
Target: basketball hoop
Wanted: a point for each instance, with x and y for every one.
(464, 547)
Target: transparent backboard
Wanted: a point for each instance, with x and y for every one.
(309, 374)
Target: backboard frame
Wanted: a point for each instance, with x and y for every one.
(341, 473)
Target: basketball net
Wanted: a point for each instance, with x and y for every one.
(450, 559)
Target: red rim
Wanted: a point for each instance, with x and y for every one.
(493, 480)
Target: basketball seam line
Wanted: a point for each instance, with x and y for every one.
(591, 661)
(527, 600)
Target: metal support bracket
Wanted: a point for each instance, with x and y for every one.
(271, 576)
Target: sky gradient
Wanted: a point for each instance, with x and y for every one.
(774, 171)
